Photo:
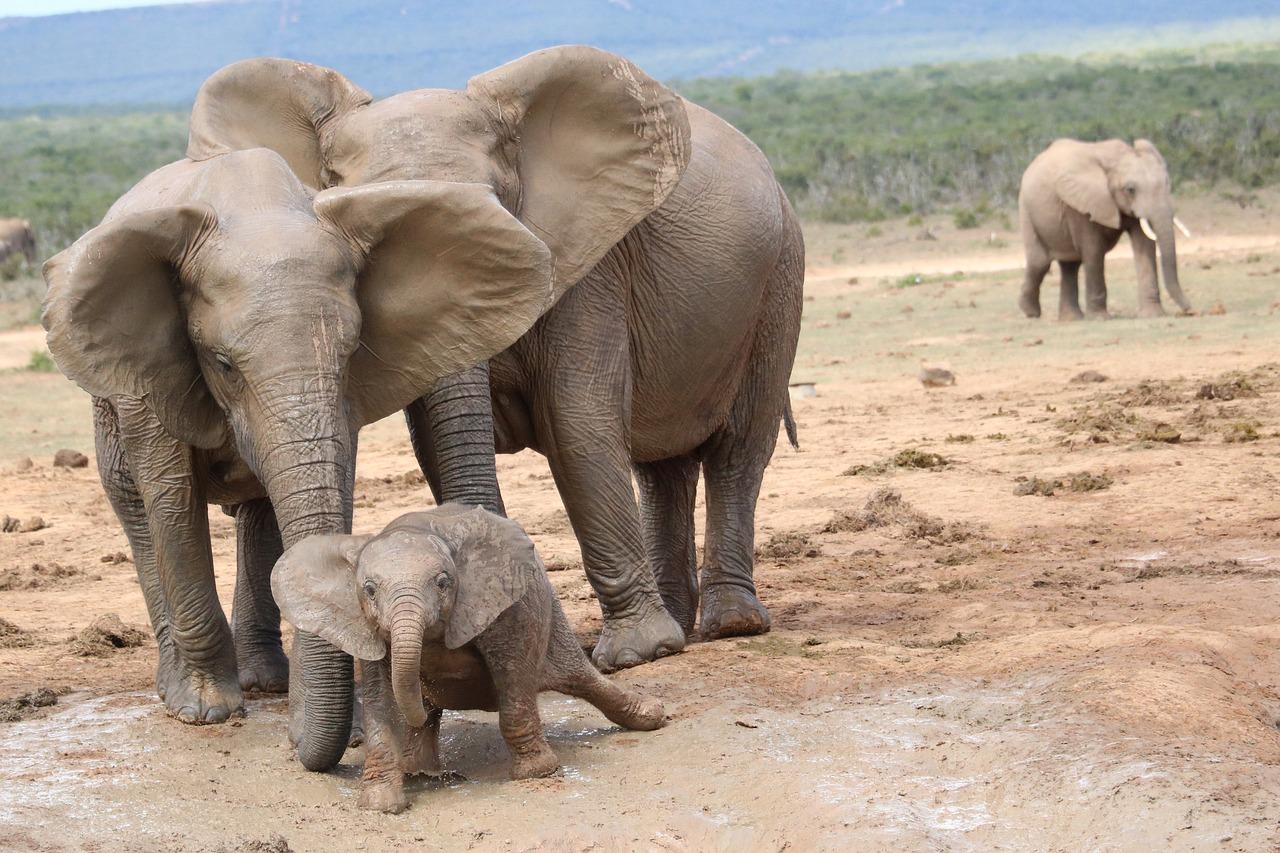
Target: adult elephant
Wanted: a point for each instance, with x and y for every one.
(237, 333)
(673, 353)
(1075, 201)
(17, 238)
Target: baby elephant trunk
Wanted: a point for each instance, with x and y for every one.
(408, 624)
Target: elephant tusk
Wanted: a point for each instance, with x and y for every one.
(1146, 229)
(1186, 232)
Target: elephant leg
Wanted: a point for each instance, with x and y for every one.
(255, 619)
(382, 781)
(572, 674)
(126, 500)
(1144, 260)
(590, 463)
(422, 746)
(668, 490)
(1093, 252)
(1069, 292)
(204, 687)
(1037, 268)
(417, 417)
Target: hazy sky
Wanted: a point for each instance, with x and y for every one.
(56, 7)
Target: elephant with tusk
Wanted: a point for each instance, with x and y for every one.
(454, 606)
(1075, 201)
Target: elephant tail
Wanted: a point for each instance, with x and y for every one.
(789, 421)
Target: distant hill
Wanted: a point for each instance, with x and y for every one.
(160, 54)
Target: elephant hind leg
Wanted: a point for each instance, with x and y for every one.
(668, 490)
(570, 672)
(735, 456)
(1038, 262)
(1069, 291)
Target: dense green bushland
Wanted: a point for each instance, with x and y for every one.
(869, 145)
(846, 146)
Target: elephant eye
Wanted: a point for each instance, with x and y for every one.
(370, 588)
(224, 362)
(443, 581)
(1130, 188)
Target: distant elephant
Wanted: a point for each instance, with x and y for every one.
(671, 356)
(452, 603)
(16, 237)
(238, 332)
(1076, 199)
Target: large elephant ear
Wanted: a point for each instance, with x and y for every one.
(116, 327)
(288, 106)
(450, 279)
(599, 145)
(495, 561)
(1082, 184)
(314, 585)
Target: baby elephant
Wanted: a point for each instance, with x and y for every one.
(462, 600)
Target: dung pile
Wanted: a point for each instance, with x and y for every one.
(886, 508)
(104, 636)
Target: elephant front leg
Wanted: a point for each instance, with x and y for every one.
(255, 618)
(203, 687)
(122, 492)
(593, 474)
(382, 782)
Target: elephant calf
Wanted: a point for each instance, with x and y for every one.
(472, 622)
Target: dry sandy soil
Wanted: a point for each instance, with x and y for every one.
(966, 669)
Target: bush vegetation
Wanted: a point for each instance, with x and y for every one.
(846, 146)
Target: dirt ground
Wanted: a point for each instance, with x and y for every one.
(1015, 613)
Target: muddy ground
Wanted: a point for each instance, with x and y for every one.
(1017, 613)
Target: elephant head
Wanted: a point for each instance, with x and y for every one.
(1110, 180)
(256, 316)
(444, 575)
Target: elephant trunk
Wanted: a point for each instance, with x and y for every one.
(457, 417)
(306, 460)
(1167, 244)
(408, 624)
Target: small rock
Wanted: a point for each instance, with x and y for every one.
(1088, 376)
(1217, 309)
(936, 377)
(844, 315)
(70, 459)
(117, 557)
(31, 525)
(1034, 343)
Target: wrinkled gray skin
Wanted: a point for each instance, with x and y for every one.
(224, 319)
(445, 609)
(17, 238)
(1076, 200)
(670, 356)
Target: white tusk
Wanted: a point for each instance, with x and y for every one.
(1186, 232)
(1146, 229)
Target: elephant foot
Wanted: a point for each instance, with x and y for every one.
(166, 668)
(263, 670)
(535, 762)
(1149, 310)
(1070, 314)
(386, 797)
(644, 714)
(682, 607)
(1030, 307)
(199, 698)
(632, 640)
(731, 611)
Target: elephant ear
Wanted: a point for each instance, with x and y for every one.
(1147, 147)
(288, 106)
(450, 279)
(1082, 184)
(598, 145)
(115, 323)
(314, 584)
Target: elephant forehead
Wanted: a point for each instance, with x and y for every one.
(407, 549)
(430, 134)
